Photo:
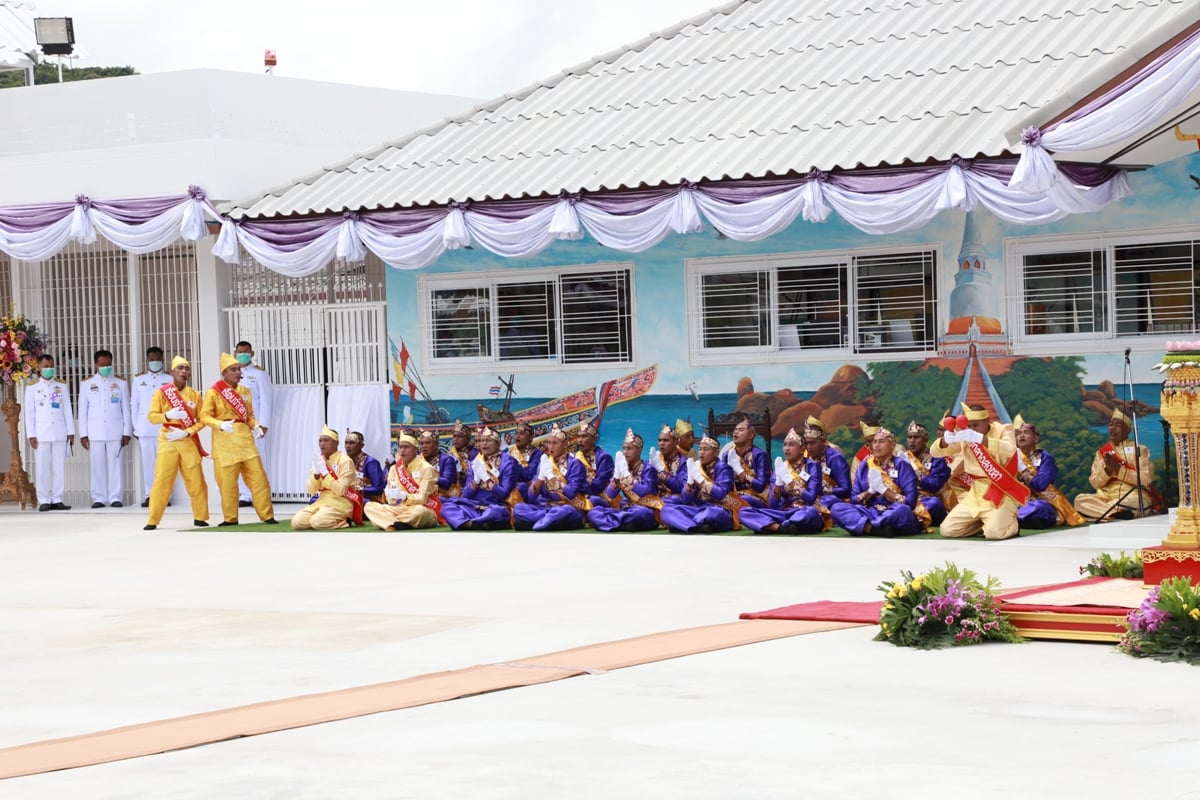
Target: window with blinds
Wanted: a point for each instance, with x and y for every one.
(1124, 289)
(568, 317)
(850, 302)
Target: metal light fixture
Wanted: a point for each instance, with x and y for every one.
(56, 35)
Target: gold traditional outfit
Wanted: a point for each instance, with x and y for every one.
(181, 456)
(982, 505)
(1110, 488)
(234, 453)
(412, 511)
(332, 509)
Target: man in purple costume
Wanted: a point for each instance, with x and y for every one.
(1046, 506)
(884, 494)
(557, 497)
(597, 464)
(751, 472)
(463, 453)
(828, 459)
(796, 485)
(491, 481)
(707, 502)
(527, 457)
(632, 493)
(670, 463)
(932, 473)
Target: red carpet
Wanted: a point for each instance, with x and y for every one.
(824, 611)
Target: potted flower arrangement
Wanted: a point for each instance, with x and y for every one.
(20, 346)
(1107, 565)
(945, 606)
(1166, 626)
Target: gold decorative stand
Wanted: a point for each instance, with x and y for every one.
(16, 483)
(1179, 553)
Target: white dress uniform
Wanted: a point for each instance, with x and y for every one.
(104, 419)
(261, 389)
(48, 419)
(141, 393)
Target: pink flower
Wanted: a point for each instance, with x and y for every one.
(949, 620)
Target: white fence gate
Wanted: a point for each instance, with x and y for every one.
(328, 364)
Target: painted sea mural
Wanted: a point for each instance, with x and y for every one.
(994, 340)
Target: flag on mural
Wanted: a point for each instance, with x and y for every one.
(412, 391)
(494, 391)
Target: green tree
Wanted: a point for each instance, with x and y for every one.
(48, 73)
(907, 390)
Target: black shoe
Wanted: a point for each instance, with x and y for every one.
(271, 521)
(44, 507)
(1124, 513)
(886, 531)
(245, 504)
(199, 523)
(150, 528)
(97, 505)
(400, 526)
(146, 503)
(789, 529)
(226, 524)
(59, 507)
(118, 504)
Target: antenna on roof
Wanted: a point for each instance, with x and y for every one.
(269, 61)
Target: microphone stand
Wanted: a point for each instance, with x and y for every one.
(1137, 450)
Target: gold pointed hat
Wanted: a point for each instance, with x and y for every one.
(228, 361)
(633, 438)
(1118, 414)
(682, 426)
(974, 415)
(179, 361)
(328, 433)
(868, 431)
(793, 437)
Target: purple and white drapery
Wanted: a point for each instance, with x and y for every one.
(1133, 105)
(877, 203)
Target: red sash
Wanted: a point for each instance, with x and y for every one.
(1003, 482)
(353, 495)
(175, 400)
(862, 453)
(1109, 448)
(234, 399)
(409, 484)
(1156, 500)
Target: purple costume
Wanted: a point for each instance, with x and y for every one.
(598, 471)
(526, 474)
(793, 509)
(931, 477)
(484, 505)
(1035, 512)
(628, 515)
(755, 479)
(551, 510)
(835, 477)
(887, 519)
(692, 512)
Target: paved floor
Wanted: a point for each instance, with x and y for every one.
(103, 625)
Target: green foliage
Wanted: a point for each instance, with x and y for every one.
(1166, 626)
(904, 391)
(946, 606)
(48, 73)
(1107, 565)
(1049, 393)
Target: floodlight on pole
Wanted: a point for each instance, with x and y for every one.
(56, 37)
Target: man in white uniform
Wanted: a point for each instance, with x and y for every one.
(141, 394)
(104, 429)
(50, 426)
(257, 380)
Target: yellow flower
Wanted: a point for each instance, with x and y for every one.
(901, 590)
(1194, 613)
(888, 606)
(916, 585)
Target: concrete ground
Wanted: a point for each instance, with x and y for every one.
(104, 625)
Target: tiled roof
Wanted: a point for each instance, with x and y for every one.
(759, 88)
(17, 41)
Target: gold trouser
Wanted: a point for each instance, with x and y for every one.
(251, 471)
(996, 523)
(327, 514)
(383, 515)
(174, 458)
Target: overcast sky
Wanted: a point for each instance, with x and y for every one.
(464, 47)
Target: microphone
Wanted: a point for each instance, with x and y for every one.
(1127, 349)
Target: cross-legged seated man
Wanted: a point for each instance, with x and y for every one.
(486, 502)
(795, 489)
(333, 480)
(708, 503)
(1046, 506)
(632, 493)
(932, 475)
(883, 495)
(1115, 472)
(410, 494)
(557, 498)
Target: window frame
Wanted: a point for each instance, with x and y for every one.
(773, 352)
(490, 281)
(1017, 248)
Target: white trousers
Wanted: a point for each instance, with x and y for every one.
(148, 445)
(107, 485)
(50, 459)
(243, 492)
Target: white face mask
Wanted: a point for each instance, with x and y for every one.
(155, 366)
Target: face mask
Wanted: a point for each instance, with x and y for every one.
(243, 358)
(47, 372)
(156, 366)
(105, 371)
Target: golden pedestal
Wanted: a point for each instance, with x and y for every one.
(16, 484)
(1179, 554)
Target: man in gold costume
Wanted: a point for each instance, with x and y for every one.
(334, 481)
(176, 408)
(229, 411)
(411, 492)
(1114, 475)
(985, 457)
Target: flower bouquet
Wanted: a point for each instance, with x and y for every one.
(943, 607)
(20, 346)
(1107, 565)
(1166, 626)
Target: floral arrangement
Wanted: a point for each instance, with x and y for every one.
(1107, 565)
(1166, 626)
(943, 607)
(20, 345)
